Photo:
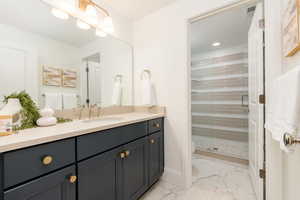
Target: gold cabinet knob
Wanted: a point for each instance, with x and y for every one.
(152, 141)
(47, 160)
(157, 125)
(122, 155)
(73, 179)
(127, 153)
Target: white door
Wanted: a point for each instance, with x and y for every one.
(18, 70)
(95, 83)
(256, 110)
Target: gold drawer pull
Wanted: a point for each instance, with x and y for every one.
(156, 125)
(127, 153)
(73, 179)
(122, 155)
(152, 141)
(47, 160)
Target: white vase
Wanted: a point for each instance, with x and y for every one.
(13, 108)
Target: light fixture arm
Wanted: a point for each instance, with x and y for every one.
(83, 4)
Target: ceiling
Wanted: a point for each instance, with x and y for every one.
(135, 9)
(230, 28)
(34, 16)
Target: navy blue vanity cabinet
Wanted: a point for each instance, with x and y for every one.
(134, 170)
(116, 164)
(98, 176)
(59, 185)
(156, 156)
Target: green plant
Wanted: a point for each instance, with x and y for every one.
(30, 112)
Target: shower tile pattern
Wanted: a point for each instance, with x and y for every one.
(220, 122)
(212, 180)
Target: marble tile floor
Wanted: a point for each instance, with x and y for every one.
(213, 179)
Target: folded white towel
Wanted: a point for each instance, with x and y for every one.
(284, 115)
(53, 100)
(117, 93)
(69, 101)
(148, 93)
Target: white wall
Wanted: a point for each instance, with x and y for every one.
(283, 173)
(160, 42)
(49, 52)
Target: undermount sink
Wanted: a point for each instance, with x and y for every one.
(103, 119)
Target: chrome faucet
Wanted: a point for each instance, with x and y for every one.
(98, 111)
(80, 112)
(91, 110)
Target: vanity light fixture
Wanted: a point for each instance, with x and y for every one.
(59, 14)
(88, 14)
(216, 44)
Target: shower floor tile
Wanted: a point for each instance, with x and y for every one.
(212, 180)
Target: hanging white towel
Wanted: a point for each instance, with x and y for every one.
(53, 100)
(117, 93)
(148, 94)
(69, 101)
(284, 115)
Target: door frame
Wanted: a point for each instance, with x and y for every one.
(189, 22)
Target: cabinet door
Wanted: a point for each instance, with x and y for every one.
(56, 186)
(98, 178)
(156, 156)
(135, 170)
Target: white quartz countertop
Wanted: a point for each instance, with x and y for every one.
(35, 136)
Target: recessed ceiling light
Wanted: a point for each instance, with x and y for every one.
(216, 44)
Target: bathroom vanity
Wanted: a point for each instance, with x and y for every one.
(115, 163)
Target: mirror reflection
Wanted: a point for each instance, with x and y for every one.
(59, 64)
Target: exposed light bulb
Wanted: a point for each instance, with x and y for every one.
(216, 44)
(59, 14)
(91, 14)
(83, 25)
(100, 33)
(108, 26)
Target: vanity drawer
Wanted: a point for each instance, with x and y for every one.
(95, 143)
(26, 164)
(155, 125)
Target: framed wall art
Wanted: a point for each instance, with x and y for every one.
(69, 78)
(52, 76)
(290, 27)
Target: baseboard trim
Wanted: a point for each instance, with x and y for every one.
(223, 157)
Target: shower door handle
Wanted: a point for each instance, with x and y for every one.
(243, 100)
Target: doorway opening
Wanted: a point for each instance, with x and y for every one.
(91, 80)
(227, 84)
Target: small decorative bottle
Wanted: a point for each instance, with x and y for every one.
(10, 116)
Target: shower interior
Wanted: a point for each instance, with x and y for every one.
(219, 81)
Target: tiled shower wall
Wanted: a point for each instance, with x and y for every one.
(219, 120)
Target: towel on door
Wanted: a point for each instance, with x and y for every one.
(53, 100)
(69, 101)
(117, 93)
(284, 114)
